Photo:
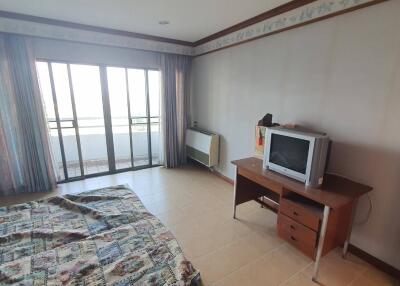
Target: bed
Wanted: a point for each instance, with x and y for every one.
(100, 237)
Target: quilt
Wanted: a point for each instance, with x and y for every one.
(100, 237)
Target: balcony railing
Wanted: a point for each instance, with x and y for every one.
(95, 158)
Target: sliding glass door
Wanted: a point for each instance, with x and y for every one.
(101, 119)
(87, 92)
(119, 110)
(134, 96)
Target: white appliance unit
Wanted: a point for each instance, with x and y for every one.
(202, 146)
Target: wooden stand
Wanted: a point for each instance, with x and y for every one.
(313, 220)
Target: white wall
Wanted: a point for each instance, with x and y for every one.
(93, 54)
(342, 76)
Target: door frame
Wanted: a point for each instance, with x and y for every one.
(107, 119)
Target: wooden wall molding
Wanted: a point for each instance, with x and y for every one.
(291, 15)
(70, 34)
(223, 177)
(66, 24)
(381, 265)
(294, 4)
(300, 15)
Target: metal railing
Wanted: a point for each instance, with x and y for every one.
(74, 123)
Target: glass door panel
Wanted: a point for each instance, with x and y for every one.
(45, 89)
(119, 106)
(56, 152)
(71, 152)
(90, 117)
(139, 122)
(63, 93)
(47, 96)
(154, 80)
(66, 118)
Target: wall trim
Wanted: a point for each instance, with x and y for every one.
(48, 31)
(294, 14)
(294, 4)
(381, 265)
(308, 13)
(67, 24)
(223, 177)
(374, 261)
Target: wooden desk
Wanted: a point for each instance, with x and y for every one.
(315, 220)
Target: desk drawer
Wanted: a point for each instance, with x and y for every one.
(297, 241)
(297, 230)
(299, 213)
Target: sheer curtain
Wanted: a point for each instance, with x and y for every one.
(25, 158)
(175, 106)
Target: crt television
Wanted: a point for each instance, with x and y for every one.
(296, 154)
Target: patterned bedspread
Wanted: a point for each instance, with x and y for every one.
(101, 237)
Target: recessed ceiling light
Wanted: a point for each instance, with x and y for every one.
(163, 22)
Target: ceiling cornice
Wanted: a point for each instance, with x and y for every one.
(294, 4)
(66, 24)
(268, 14)
(282, 18)
(310, 12)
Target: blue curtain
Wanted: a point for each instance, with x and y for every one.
(175, 74)
(25, 157)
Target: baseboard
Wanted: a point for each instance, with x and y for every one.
(223, 177)
(379, 264)
(213, 171)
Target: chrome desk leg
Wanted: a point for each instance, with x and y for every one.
(234, 195)
(346, 243)
(345, 247)
(321, 243)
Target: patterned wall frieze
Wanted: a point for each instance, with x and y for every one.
(27, 28)
(298, 16)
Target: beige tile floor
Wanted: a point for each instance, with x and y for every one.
(197, 207)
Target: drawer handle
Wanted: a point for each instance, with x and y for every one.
(292, 227)
(293, 238)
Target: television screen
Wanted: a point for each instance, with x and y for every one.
(289, 152)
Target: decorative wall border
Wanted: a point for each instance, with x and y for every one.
(306, 14)
(16, 26)
(290, 5)
(67, 24)
(291, 15)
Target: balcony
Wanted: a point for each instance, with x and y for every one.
(94, 150)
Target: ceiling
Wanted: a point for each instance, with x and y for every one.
(190, 20)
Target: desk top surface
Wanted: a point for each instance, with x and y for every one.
(335, 192)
